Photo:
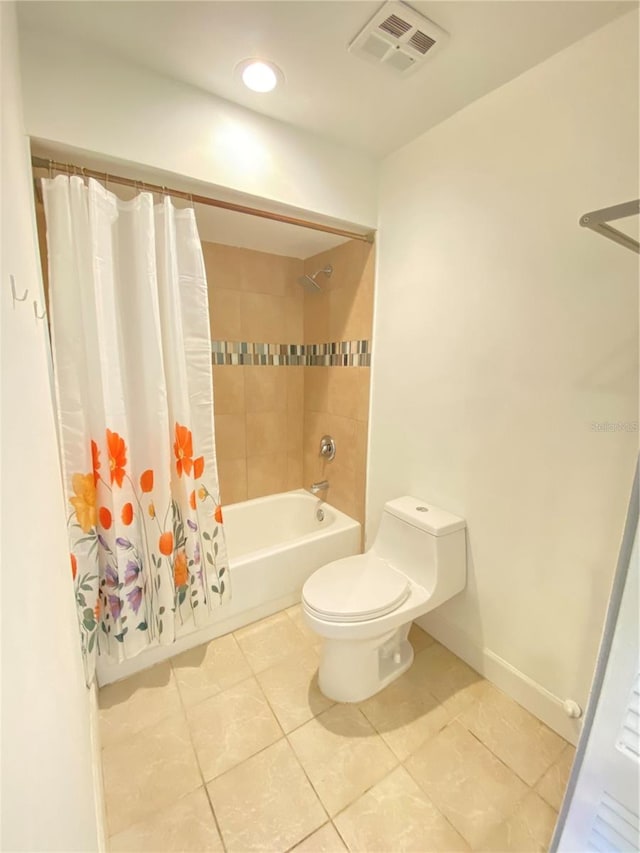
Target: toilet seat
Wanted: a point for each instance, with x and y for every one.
(355, 589)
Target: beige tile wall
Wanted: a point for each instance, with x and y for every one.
(336, 399)
(269, 420)
(254, 296)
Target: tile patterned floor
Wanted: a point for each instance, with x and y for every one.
(231, 746)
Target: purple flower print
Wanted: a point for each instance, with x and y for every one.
(111, 576)
(196, 554)
(135, 598)
(131, 572)
(115, 606)
(192, 524)
(121, 542)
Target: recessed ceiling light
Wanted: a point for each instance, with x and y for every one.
(259, 76)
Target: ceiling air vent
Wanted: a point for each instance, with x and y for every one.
(398, 38)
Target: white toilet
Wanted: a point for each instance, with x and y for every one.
(363, 606)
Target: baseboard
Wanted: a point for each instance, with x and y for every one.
(522, 689)
(96, 761)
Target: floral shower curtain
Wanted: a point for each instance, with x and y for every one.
(132, 364)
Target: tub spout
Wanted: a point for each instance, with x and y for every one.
(320, 486)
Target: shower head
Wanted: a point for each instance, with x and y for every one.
(309, 281)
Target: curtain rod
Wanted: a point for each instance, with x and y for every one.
(52, 165)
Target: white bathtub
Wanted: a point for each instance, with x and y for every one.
(274, 543)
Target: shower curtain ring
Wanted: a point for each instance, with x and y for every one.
(35, 311)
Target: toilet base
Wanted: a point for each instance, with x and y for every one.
(353, 670)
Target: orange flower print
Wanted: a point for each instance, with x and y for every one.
(74, 566)
(166, 544)
(97, 610)
(152, 510)
(127, 514)
(198, 467)
(105, 517)
(202, 493)
(95, 461)
(218, 514)
(180, 571)
(146, 480)
(84, 500)
(183, 449)
(117, 457)
(192, 500)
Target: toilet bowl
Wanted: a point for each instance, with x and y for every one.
(363, 606)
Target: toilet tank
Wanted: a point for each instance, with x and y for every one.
(426, 543)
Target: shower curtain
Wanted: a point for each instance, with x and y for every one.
(133, 380)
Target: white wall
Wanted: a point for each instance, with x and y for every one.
(86, 97)
(502, 331)
(47, 771)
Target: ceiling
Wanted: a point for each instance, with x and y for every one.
(328, 90)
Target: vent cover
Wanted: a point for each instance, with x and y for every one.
(629, 738)
(615, 828)
(398, 38)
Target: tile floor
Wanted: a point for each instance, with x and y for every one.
(231, 746)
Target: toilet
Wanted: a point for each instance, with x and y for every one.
(363, 606)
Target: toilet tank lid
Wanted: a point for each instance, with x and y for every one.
(431, 519)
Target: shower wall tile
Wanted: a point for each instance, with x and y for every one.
(344, 493)
(269, 413)
(344, 391)
(233, 480)
(329, 354)
(295, 469)
(316, 389)
(346, 472)
(266, 432)
(224, 311)
(342, 429)
(295, 389)
(295, 424)
(229, 390)
(231, 441)
(336, 398)
(263, 317)
(350, 312)
(222, 265)
(266, 388)
(343, 308)
(361, 440)
(316, 316)
(364, 393)
(294, 316)
(262, 272)
(266, 474)
(255, 297)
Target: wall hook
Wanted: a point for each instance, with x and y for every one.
(14, 295)
(35, 311)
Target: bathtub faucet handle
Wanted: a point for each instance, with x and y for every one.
(320, 486)
(328, 448)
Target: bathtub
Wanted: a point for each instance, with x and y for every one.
(274, 543)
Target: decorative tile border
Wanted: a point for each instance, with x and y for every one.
(332, 354)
